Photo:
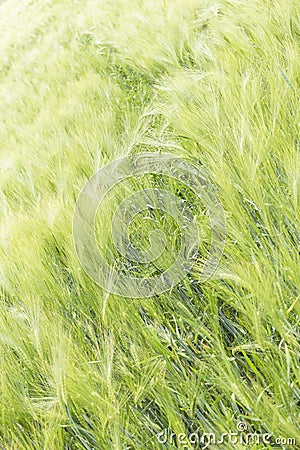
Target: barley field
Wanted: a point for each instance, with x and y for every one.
(204, 364)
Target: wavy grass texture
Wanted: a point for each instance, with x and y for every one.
(81, 84)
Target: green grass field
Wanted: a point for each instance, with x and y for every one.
(83, 83)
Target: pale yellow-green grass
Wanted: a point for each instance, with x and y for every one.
(81, 84)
